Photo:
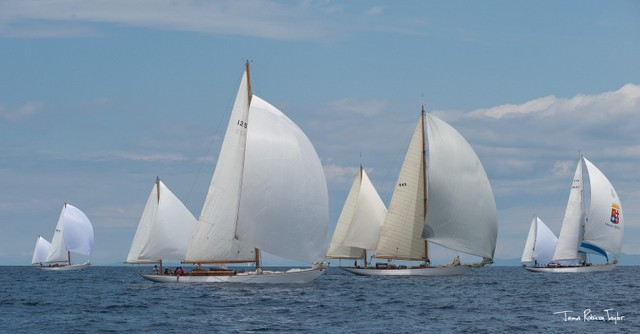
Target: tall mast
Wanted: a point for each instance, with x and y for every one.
(158, 187)
(249, 96)
(424, 183)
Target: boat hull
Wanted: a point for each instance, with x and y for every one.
(427, 271)
(73, 267)
(294, 276)
(581, 269)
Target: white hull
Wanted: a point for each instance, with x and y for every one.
(428, 271)
(65, 267)
(581, 269)
(295, 276)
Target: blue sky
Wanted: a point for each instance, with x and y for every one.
(98, 98)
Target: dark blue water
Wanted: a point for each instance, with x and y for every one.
(493, 299)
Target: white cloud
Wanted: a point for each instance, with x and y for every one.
(22, 112)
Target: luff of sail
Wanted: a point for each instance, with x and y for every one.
(605, 226)
(165, 228)
(571, 231)
(400, 236)
(461, 209)
(360, 221)
(214, 238)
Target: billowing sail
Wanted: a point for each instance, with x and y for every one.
(461, 210)
(540, 244)
(41, 250)
(400, 236)
(214, 238)
(570, 234)
(73, 233)
(362, 216)
(605, 226)
(165, 228)
(284, 206)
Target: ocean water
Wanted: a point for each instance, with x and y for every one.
(488, 300)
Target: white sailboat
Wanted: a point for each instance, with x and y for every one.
(359, 224)
(598, 230)
(41, 251)
(449, 203)
(73, 234)
(164, 231)
(268, 193)
(540, 244)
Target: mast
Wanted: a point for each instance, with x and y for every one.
(249, 96)
(424, 183)
(158, 187)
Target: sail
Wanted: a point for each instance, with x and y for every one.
(362, 216)
(364, 231)
(527, 252)
(461, 210)
(400, 236)
(41, 250)
(570, 233)
(73, 233)
(337, 247)
(165, 228)
(214, 238)
(605, 226)
(284, 206)
(545, 243)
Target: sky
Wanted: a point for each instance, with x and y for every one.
(97, 98)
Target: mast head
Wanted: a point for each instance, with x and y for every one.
(423, 111)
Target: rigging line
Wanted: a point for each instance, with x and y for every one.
(215, 138)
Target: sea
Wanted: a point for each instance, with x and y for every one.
(493, 299)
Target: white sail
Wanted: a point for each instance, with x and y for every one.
(570, 234)
(41, 250)
(214, 238)
(461, 212)
(605, 226)
(364, 231)
(361, 219)
(165, 228)
(73, 233)
(400, 236)
(541, 243)
(284, 203)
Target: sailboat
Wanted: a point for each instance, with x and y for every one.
(540, 244)
(164, 231)
(268, 194)
(359, 224)
(598, 230)
(73, 234)
(450, 203)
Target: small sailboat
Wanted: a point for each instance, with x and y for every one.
(540, 243)
(359, 224)
(164, 231)
(268, 194)
(450, 203)
(598, 230)
(73, 234)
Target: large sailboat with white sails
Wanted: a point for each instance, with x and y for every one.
(444, 198)
(268, 194)
(597, 230)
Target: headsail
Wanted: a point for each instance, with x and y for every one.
(41, 250)
(461, 209)
(165, 228)
(571, 232)
(605, 226)
(362, 216)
